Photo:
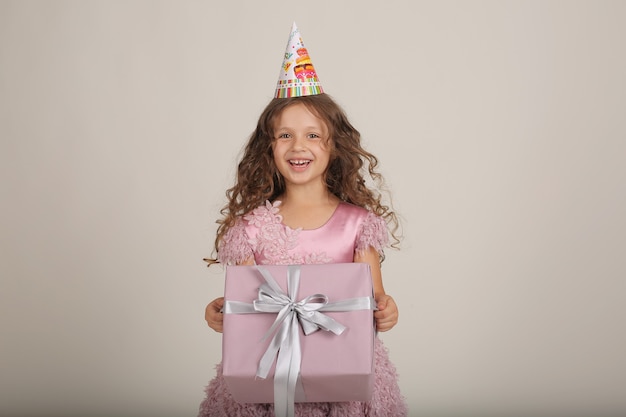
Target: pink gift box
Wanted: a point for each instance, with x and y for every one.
(334, 368)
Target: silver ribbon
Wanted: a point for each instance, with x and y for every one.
(285, 344)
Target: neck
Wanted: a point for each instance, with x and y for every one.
(308, 196)
(307, 208)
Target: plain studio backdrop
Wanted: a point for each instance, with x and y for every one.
(500, 129)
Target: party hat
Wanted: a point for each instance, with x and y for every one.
(297, 75)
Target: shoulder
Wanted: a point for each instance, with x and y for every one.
(246, 224)
(235, 246)
(361, 214)
(368, 223)
(372, 229)
(349, 210)
(352, 208)
(264, 214)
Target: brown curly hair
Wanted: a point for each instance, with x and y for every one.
(258, 179)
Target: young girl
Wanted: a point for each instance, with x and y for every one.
(301, 198)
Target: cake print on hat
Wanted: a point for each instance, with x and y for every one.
(297, 75)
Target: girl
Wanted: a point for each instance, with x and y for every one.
(301, 197)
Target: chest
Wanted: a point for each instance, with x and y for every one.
(308, 218)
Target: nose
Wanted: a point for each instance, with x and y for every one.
(298, 143)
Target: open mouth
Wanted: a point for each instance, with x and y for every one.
(299, 162)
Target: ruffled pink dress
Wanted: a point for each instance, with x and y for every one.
(262, 234)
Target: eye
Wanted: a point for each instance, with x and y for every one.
(284, 136)
(313, 136)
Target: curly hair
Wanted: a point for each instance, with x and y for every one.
(350, 166)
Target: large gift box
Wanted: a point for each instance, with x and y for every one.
(267, 356)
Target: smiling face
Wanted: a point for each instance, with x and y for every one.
(300, 147)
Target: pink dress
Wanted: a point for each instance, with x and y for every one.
(262, 234)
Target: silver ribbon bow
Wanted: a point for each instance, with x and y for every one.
(285, 345)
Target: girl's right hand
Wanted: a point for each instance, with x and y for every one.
(213, 315)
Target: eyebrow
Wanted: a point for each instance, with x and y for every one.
(305, 128)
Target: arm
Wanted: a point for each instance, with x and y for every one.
(387, 314)
(213, 314)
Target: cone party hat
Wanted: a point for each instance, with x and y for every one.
(297, 75)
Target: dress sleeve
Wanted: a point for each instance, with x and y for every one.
(234, 247)
(373, 233)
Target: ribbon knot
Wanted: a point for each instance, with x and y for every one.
(272, 299)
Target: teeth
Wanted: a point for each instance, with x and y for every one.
(299, 162)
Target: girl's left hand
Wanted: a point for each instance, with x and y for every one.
(387, 314)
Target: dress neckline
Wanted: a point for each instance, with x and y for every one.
(332, 216)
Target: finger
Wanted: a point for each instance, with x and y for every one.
(216, 323)
(387, 320)
(386, 317)
(380, 314)
(385, 325)
(213, 316)
(382, 327)
(385, 328)
(384, 314)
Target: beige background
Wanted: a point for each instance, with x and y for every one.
(500, 128)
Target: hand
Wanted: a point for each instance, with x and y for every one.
(387, 314)
(213, 315)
